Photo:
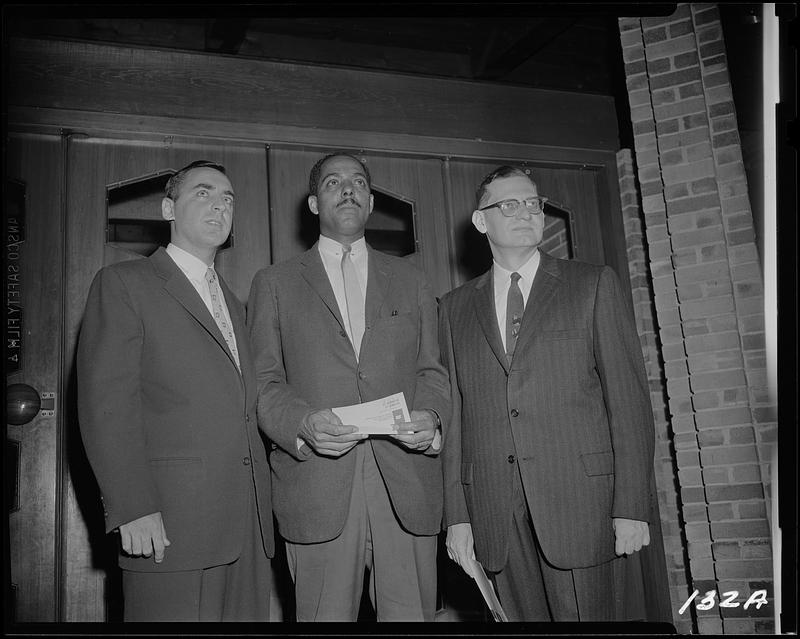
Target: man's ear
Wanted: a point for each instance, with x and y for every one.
(478, 222)
(312, 204)
(168, 209)
(371, 202)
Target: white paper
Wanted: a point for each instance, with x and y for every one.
(378, 417)
(487, 590)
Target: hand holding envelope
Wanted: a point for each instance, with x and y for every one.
(390, 416)
(327, 435)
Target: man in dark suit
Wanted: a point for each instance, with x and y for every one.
(549, 453)
(338, 325)
(167, 409)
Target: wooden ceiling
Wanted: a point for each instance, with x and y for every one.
(570, 47)
(557, 46)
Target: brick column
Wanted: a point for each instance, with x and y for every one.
(672, 525)
(708, 295)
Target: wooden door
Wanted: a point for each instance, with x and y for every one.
(112, 214)
(573, 226)
(397, 183)
(33, 209)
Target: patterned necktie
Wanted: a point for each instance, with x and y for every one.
(354, 299)
(219, 315)
(514, 309)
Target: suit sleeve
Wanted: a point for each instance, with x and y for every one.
(618, 357)
(109, 401)
(432, 387)
(455, 504)
(281, 409)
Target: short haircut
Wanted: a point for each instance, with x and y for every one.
(500, 172)
(316, 170)
(173, 186)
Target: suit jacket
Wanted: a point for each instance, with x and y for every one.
(305, 362)
(168, 422)
(572, 413)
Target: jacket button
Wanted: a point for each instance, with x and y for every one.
(247, 418)
(246, 461)
(361, 376)
(514, 412)
(511, 459)
(342, 333)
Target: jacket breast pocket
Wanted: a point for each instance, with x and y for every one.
(562, 334)
(397, 318)
(466, 473)
(598, 463)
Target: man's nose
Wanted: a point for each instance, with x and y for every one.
(347, 187)
(219, 204)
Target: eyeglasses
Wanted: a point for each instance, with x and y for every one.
(510, 208)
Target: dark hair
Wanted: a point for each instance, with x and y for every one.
(173, 186)
(313, 179)
(500, 172)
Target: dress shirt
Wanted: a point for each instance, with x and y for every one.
(502, 281)
(195, 270)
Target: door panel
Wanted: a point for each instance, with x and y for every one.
(572, 190)
(36, 162)
(93, 165)
(417, 182)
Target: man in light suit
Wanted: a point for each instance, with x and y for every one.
(167, 409)
(549, 452)
(335, 326)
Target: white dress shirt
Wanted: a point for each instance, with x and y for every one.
(502, 282)
(195, 270)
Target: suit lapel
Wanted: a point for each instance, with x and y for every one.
(313, 271)
(545, 285)
(379, 275)
(179, 287)
(483, 304)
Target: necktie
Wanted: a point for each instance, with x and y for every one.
(514, 309)
(219, 315)
(354, 299)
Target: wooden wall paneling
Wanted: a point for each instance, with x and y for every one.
(151, 82)
(90, 555)
(126, 125)
(576, 187)
(37, 161)
(470, 253)
(419, 180)
(294, 228)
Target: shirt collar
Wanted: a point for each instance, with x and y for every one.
(194, 267)
(334, 248)
(527, 270)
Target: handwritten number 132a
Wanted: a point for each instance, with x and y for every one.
(759, 598)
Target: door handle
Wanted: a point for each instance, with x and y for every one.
(23, 403)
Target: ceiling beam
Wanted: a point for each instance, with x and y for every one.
(226, 35)
(537, 38)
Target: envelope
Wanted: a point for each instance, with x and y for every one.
(378, 417)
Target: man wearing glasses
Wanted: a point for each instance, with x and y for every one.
(548, 456)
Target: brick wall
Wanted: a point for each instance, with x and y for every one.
(704, 344)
